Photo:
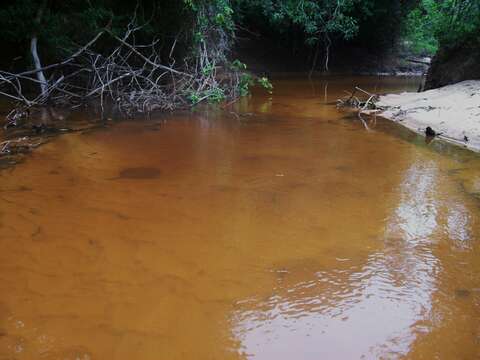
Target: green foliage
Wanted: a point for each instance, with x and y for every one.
(238, 65)
(419, 35)
(204, 30)
(216, 95)
(246, 81)
(374, 25)
(444, 22)
(211, 12)
(191, 4)
(59, 25)
(66, 24)
(317, 18)
(223, 18)
(380, 23)
(208, 69)
(455, 19)
(194, 98)
(266, 84)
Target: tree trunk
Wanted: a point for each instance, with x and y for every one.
(34, 51)
(328, 43)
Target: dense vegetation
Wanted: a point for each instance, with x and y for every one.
(433, 23)
(369, 23)
(206, 29)
(148, 55)
(66, 24)
(312, 27)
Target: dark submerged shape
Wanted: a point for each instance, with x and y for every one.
(139, 173)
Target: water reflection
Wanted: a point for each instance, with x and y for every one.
(378, 309)
(417, 211)
(458, 226)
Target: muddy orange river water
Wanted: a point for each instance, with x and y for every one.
(278, 229)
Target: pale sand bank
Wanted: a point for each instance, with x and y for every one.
(452, 110)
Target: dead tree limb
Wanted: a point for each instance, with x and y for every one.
(354, 103)
(34, 50)
(129, 76)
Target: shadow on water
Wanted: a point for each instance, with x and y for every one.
(138, 173)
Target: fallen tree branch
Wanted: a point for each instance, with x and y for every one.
(363, 91)
(354, 103)
(419, 62)
(127, 76)
(160, 66)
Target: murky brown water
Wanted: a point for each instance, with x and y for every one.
(288, 232)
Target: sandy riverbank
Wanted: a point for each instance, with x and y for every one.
(453, 111)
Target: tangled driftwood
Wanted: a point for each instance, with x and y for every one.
(131, 77)
(354, 101)
(115, 74)
(360, 103)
